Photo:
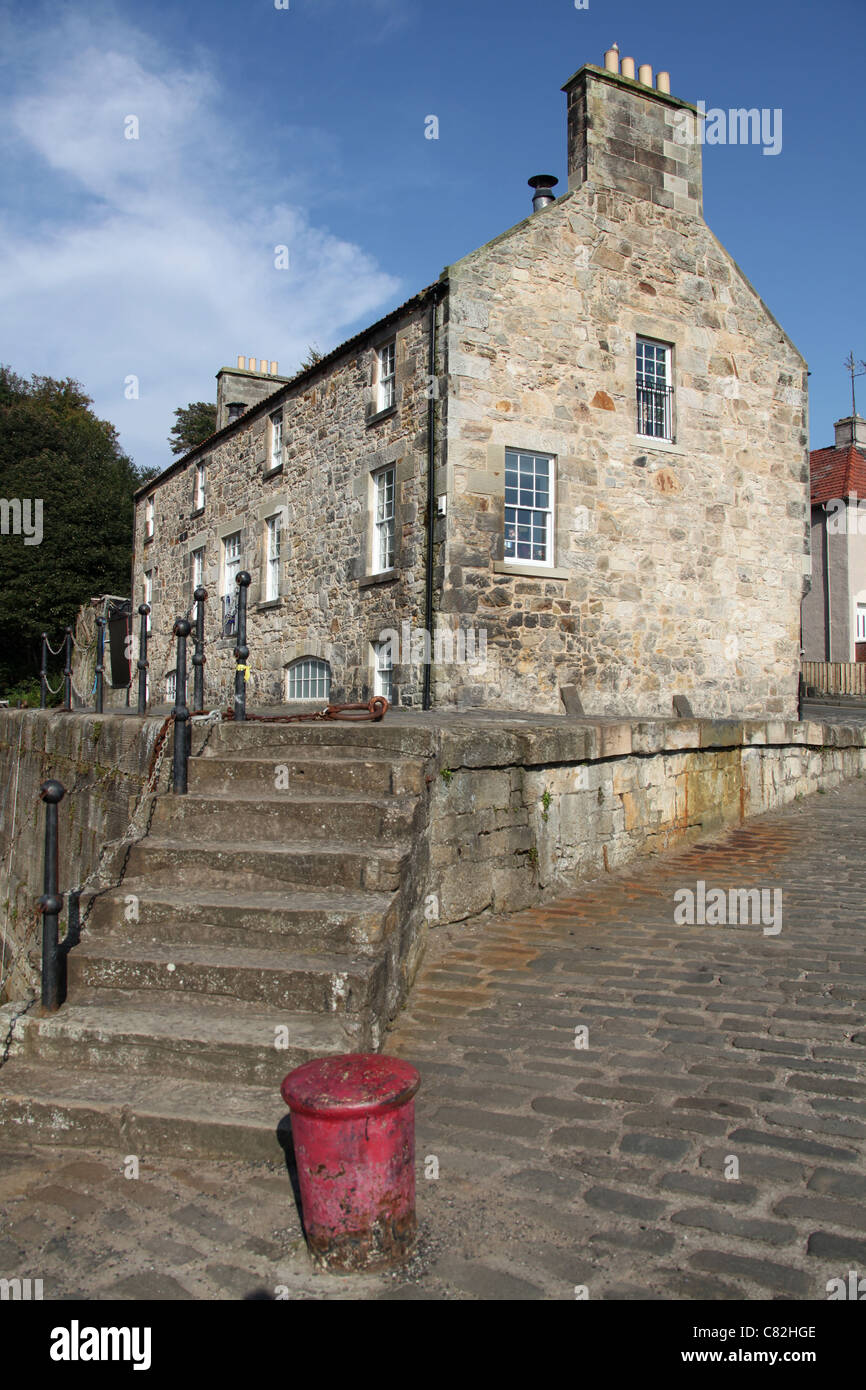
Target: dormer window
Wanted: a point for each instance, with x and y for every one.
(386, 376)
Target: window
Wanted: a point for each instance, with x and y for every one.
(275, 453)
(273, 528)
(197, 559)
(383, 671)
(171, 687)
(528, 508)
(385, 378)
(309, 679)
(861, 622)
(199, 488)
(231, 569)
(148, 598)
(383, 535)
(148, 519)
(654, 389)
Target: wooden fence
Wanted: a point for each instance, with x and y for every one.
(836, 677)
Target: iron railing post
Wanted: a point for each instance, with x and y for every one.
(43, 673)
(144, 610)
(50, 903)
(100, 664)
(198, 658)
(180, 712)
(67, 671)
(242, 651)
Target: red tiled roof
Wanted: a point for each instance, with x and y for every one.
(837, 473)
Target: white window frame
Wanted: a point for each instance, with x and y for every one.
(522, 508)
(171, 687)
(197, 567)
(386, 375)
(148, 598)
(860, 622)
(308, 678)
(231, 567)
(273, 546)
(149, 519)
(275, 441)
(660, 414)
(384, 519)
(383, 670)
(200, 487)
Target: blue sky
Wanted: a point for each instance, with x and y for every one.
(305, 126)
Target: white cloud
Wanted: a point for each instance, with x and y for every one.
(159, 260)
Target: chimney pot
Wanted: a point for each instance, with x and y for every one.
(275, 366)
(645, 74)
(241, 361)
(663, 82)
(544, 185)
(263, 366)
(611, 58)
(627, 68)
(251, 364)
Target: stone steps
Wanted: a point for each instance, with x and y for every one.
(282, 980)
(275, 818)
(316, 919)
(187, 1038)
(248, 917)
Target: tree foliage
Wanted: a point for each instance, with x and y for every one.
(53, 448)
(193, 424)
(313, 356)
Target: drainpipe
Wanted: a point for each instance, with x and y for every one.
(427, 699)
(827, 582)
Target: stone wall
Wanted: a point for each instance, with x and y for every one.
(522, 814)
(677, 567)
(330, 605)
(102, 762)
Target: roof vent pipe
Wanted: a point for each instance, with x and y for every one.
(663, 82)
(627, 68)
(544, 195)
(611, 58)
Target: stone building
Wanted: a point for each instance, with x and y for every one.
(579, 459)
(834, 610)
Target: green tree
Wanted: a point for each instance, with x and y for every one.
(193, 424)
(54, 451)
(313, 356)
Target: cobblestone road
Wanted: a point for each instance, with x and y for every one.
(713, 1051)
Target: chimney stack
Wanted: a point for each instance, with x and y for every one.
(851, 430)
(632, 136)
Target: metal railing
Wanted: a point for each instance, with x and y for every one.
(655, 411)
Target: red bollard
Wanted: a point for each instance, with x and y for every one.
(353, 1127)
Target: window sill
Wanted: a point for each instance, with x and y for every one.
(272, 472)
(148, 540)
(199, 511)
(383, 577)
(665, 446)
(530, 571)
(268, 603)
(382, 414)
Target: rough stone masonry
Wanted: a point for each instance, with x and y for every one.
(674, 553)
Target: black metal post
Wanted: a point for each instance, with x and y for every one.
(200, 597)
(43, 673)
(100, 664)
(67, 671)
(144, 610)
(180, 712)
(51, 903)
(242, 651)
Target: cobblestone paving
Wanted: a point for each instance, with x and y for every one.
(711, 1050)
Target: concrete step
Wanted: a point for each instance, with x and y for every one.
(277, 818)
(232, 864)
(316, 919)
(321, 770)
(282, 980)
(139, 1115)
(213, 1040)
